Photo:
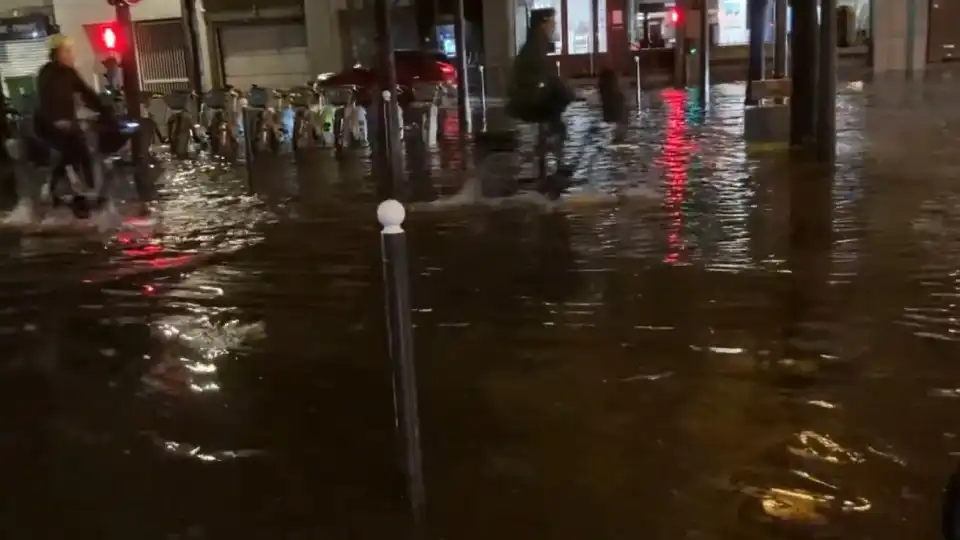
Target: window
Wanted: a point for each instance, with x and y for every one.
(580, 26)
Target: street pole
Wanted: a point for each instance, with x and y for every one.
(680, 50)
(803, 73)
(131, 95)
(756, 24)
(827, 84)
(463, 95)
(387, 139)
(705, 43)
(780, 40)
(189, 10)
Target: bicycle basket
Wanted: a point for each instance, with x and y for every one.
(215, 99)
(339, 95)
(302, 97)
(260, 98)
(177, 100)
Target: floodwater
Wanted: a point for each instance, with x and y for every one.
(761, 351)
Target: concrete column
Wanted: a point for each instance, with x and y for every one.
(891, 31)
(322, 20)
(499, 43)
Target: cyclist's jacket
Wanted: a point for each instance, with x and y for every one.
(57, 86)
(537, 93)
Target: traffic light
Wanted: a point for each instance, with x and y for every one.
(674, 16)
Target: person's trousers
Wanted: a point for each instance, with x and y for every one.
(74, 152)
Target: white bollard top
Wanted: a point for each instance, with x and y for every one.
(391, 214)
(636, 59)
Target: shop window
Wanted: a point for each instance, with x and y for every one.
(581, 26)
(652, 25)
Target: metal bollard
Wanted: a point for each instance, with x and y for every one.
(248, 154)
(396, 280)
(483, 90)
(636, 61)
(558, 67)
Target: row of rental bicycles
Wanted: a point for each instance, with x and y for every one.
(228, 122)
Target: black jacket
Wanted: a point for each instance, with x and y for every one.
(537, 93)
(57, 86)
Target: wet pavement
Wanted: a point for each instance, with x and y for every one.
(750, 351)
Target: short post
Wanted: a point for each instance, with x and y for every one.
(636, 61)
(396, 281)
(483, 90)
(558, 68)
(247, 145)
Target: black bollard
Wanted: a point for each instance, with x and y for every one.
(396, 281)
(950, 508)
(827, 84)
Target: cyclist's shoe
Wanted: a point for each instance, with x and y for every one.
(81, 207)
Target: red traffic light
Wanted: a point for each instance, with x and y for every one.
(674, 16)
(108, 36)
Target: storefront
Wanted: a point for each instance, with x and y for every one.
(23, 51)
(581, 45)
(585, 41)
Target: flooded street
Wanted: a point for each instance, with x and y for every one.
(757, 350)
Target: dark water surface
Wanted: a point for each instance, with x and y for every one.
(758, 353)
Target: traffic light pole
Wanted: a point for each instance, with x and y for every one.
(131, 93)
(387, 137)
(463, 96)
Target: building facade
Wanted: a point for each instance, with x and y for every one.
(294, 40)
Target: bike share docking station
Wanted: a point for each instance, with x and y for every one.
(424, 112)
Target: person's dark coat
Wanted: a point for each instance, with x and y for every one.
(57, 85)
(537, 93)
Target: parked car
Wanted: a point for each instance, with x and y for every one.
(411, 65)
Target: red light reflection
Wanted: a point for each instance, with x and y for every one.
(675, 160)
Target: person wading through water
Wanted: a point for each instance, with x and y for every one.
(537, 93)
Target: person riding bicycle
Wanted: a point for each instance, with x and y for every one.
(58, 84)
(537, 93)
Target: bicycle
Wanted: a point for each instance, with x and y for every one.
(303, 100)
(500, 165)
(264, 126)
(180, 125)
(30, 154)
(220, 104)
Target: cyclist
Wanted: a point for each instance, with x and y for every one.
(58, 83)
(538, 94)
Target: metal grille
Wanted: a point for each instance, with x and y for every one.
(21, 59)
(162, 55)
